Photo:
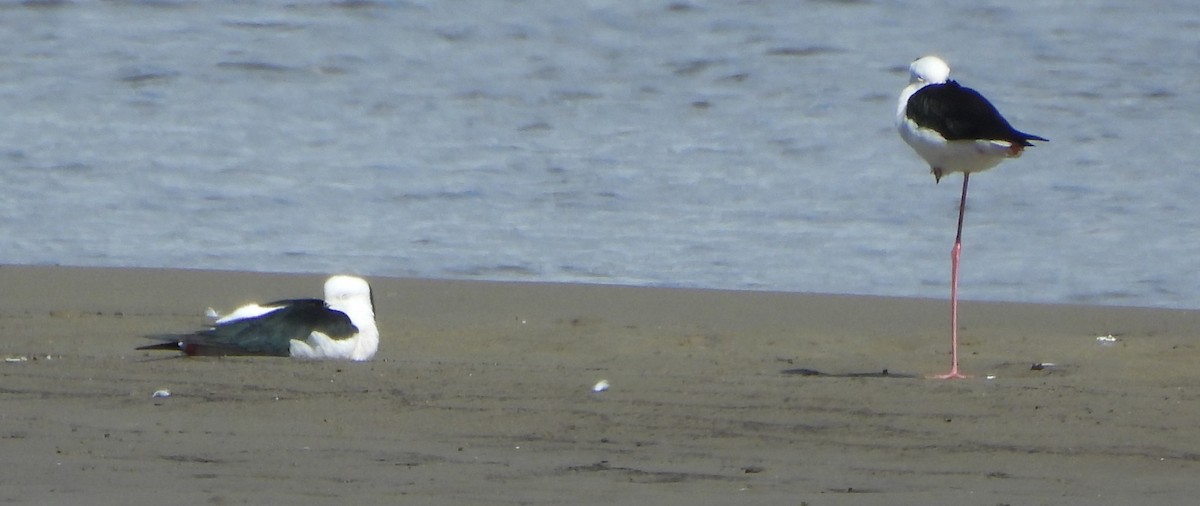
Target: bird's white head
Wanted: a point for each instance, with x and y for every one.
(928, 69)
(347, 289)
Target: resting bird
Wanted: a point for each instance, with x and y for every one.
(341, 327)
(951, 126)
(955, 129)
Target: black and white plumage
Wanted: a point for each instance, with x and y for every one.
(953, 127)
(340, 327)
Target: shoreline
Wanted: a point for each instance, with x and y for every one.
(481, 393)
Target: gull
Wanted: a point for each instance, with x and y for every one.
(340, 327)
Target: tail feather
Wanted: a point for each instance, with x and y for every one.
(201, 344)
(165, 342)
(1025, 138)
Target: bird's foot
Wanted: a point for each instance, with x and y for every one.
(953, 374)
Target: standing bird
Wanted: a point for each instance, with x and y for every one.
(955, 129)
(340, 327)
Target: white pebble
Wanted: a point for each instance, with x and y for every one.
(600, 386)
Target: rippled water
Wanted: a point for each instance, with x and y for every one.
(744, 145)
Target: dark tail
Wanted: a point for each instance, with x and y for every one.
(1025, 138)
(166, 342)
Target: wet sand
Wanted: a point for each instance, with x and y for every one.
(481, 394)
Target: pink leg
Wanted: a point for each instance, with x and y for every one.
(954, 254)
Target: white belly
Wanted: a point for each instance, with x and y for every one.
(319, 346)
(954, 156)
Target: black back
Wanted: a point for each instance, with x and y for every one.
(961, 113)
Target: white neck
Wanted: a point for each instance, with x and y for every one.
(367, 341)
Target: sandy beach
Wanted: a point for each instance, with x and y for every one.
(481, 394)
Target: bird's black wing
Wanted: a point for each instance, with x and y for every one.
(267, 334)
(961, 113)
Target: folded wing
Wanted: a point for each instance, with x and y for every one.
(267, 332)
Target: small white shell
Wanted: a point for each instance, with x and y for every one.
(600, 386)
(161, 393)
(1108, 340)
